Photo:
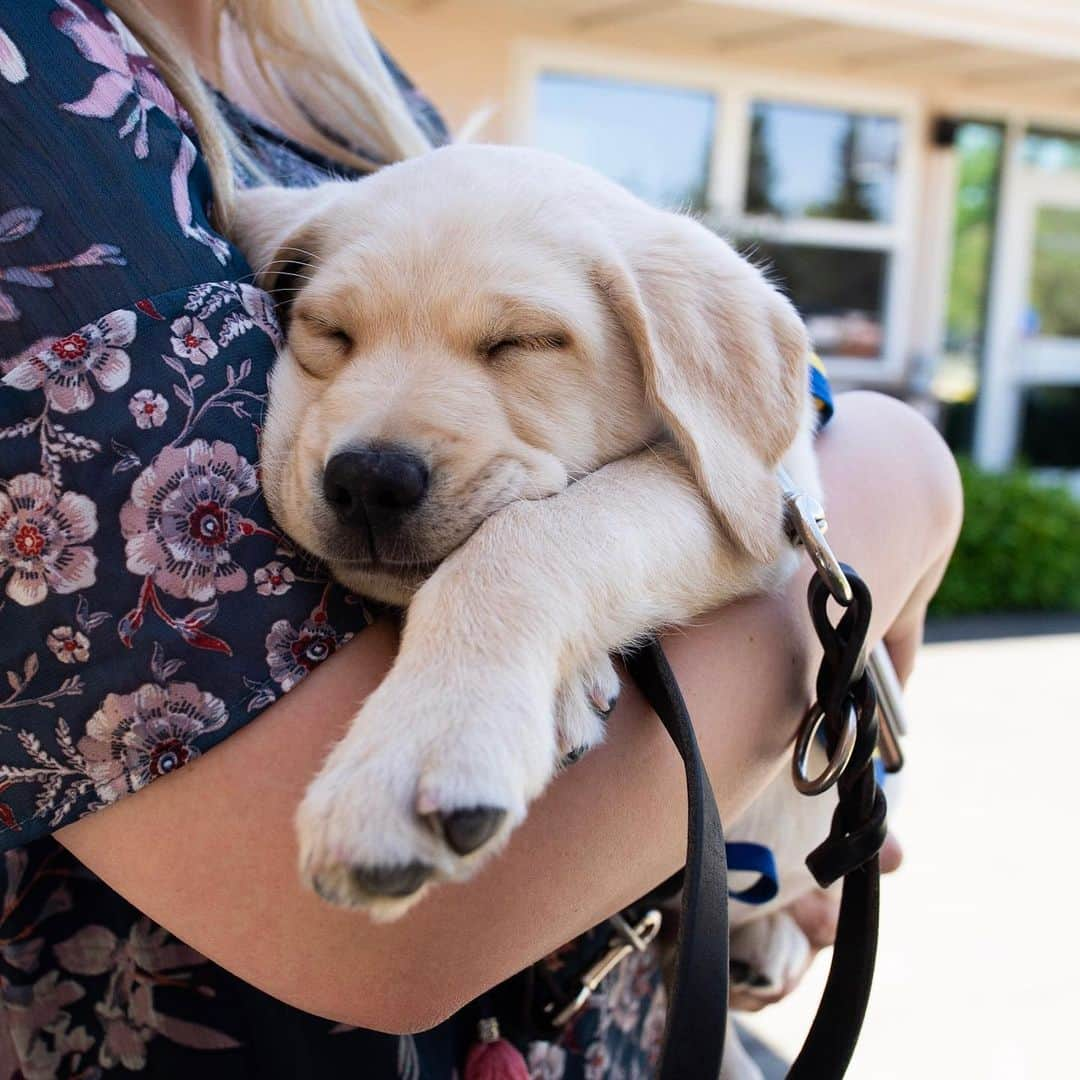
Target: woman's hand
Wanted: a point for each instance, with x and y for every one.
(816, 915)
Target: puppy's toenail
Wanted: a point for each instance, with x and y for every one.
(391, 880)
(575, 755)
(466, 830)
(600, 702)
(324, 889)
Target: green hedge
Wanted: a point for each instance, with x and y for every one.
(1019, 549)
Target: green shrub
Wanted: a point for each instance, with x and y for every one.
(1019, 549)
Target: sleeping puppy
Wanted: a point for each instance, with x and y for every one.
(544, 416)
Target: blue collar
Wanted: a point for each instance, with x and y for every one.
(820, 390)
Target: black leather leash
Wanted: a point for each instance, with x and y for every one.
(697, 1015)
(697, 1007)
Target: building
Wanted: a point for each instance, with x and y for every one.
(827, 135)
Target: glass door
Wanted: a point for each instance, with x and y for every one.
(1047, 353)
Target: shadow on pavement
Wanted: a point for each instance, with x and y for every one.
(991, 627)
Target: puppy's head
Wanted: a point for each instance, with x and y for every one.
(482, 325)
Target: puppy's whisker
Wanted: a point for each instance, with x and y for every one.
(303, 251)
(291, 274)
(294, 264)
(266, 267)
(291, 267)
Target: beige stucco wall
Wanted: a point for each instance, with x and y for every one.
(462, 52)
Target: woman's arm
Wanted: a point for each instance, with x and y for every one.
(210, 851)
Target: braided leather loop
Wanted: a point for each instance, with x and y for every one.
(858, 825)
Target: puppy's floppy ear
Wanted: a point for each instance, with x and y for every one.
(279, 231)
(725, 362)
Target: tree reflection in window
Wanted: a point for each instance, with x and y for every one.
(820, 163)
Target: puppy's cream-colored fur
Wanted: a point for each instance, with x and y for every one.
(602, 392)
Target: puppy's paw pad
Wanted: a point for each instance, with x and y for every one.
(391, 881)
(468, 830)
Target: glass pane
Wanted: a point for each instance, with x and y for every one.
(655, 140)
(956, 379)
(821, 163)
(1055, 274)
(1051, 427)
(840, 293)
(1052, 152)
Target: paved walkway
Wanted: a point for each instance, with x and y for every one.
(979, 964)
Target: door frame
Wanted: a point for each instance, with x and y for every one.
(1013, 362)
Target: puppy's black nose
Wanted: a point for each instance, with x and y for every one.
(368, 483)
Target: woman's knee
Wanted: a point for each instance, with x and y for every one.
(904, 457)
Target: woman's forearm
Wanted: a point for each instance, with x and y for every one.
(209, 852)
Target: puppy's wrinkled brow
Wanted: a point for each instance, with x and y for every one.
(518, 320)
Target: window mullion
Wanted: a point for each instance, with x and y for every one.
(731, 152)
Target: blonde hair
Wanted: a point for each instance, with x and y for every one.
(317, 61)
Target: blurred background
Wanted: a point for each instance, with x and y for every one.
(911, 171)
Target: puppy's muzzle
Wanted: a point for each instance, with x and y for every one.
(373, 487)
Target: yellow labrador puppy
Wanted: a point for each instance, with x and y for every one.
(547, 418)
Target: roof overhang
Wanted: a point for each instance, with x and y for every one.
(992, 55)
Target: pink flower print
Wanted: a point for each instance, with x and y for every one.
(42, 1010)
(292, 653)
(273, 579)
(130, 79)
(20, 222)
(182, 518)
(148, 408)
(42, 535)
(62, 366)
(124, 1043)
(260, 308)
(68, 645)
(652, 1030)
(597, 1061)
(192, 341)
(623, 1000)
(12, 64)
(133, 739)
(547, 1061)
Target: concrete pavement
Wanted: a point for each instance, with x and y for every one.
(979, 964)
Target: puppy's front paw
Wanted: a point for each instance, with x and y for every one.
(429, 782)
(582, 705)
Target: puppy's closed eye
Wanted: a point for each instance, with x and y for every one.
(498, 348)
(341, 338)
(319, 345)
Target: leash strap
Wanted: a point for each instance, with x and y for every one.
(697, 1014)
(697, 1009)
(845, 689)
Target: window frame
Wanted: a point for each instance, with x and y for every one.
(736, 90)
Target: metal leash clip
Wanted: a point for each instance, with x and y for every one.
(806, 525)
(628, 939)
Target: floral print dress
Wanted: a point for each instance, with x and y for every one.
(149, 607)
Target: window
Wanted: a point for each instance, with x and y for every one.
(820, 190)
(1051, 419)
(1055, 274)
(1051, 152)
(655, 140)
(817, 163)
(978, 149)
(811, 192)
(840, 294)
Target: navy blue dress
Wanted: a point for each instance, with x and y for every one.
(150, 607)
